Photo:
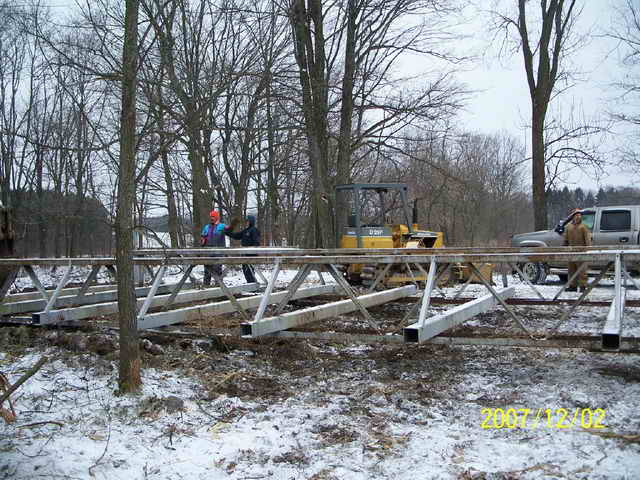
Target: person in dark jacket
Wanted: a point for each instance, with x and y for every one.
(249, 237)
(212, 235)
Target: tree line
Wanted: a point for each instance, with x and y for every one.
(263, 107)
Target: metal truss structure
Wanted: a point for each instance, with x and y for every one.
(63, 305)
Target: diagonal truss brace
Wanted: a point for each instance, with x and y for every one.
(580, 269)
(56, 293)
(590, 287)
(514, 266)
(293, 287)
(509, 310)
(340, 280)
(36, 281)
(179, 285)
(267, 293)
(152, 293)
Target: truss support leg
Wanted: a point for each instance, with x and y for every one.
(379, 277)
(260, 275)
(569, 280)
(486, 283)
(267, 293)
(590, 286)
(428, 290)
(56, 293)
(154, 288)
(36, 281)
(613, 326)
(293, 288)
(463, 288)
(414, 307)
(112, 270)
(179, 286)
(88, 282)
(631, 279)
(340, 280)
(8, 281)
(526, 280)
(234, 301)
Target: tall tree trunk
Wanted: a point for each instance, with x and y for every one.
(538, 169)
(311, 60)
(129, 368)
(343, 167)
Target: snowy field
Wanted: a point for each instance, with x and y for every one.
(233, 408)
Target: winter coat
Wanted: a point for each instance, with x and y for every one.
(213, 235)
(250, 236)
(577, 235)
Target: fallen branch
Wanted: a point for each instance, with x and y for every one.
(629, 438)
(103, 452)
(32, 371)
(36, 424)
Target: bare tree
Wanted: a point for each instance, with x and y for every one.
(543, 56)
(626, 31)
(129, 371)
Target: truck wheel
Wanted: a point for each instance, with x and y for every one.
(535, 272)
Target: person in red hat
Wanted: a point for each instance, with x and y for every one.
(576, 234)
(213, 235)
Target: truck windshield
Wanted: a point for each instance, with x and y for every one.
(588, 218)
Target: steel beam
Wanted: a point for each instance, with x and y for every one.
(197, 312)
(594, 256)
(613, 327)
(72, 300)
(307, 315)
(89, 311)
(420, 332)
(628, 344)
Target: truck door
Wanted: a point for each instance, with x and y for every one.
(615, 227)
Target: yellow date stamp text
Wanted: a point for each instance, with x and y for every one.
(560, 418)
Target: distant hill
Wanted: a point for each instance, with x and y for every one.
(57, 224)
(161, 223)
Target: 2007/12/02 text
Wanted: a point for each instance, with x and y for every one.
(560, 418)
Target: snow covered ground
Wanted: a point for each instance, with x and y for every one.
(303, 409)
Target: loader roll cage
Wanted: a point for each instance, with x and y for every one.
(357, 197)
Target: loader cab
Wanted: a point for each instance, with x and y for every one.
(379, 217)
(377, 214)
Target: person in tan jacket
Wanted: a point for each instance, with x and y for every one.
(577, 234)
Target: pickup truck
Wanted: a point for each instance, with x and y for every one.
(609, 226)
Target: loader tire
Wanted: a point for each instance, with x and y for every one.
(536, 272)
(369, 274)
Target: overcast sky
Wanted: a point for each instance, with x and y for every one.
(503, 102)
